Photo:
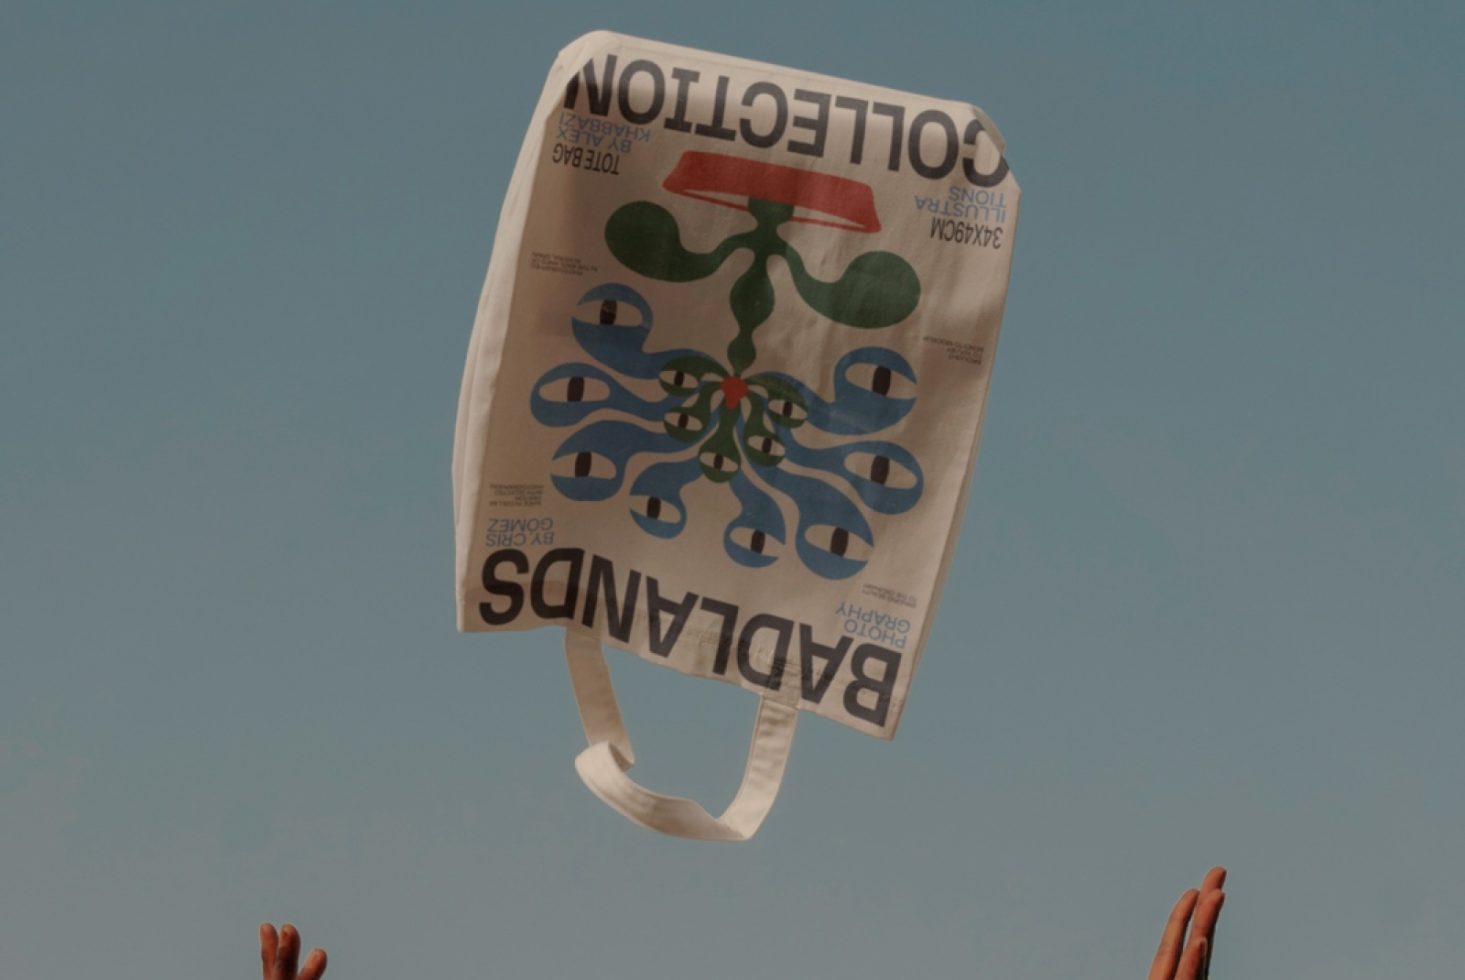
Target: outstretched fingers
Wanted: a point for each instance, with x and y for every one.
(1208, 913)
(279, 955)
(1171, 941)
(1193, 963)
(269, 942)
(315, 965)
(288, 955)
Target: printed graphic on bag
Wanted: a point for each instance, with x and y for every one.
(722, 419)
(727, 379)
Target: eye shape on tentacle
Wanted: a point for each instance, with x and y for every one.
(785, 411)
(766, 446)
(583, 464)
(677, 382)
(758, 542)
(575, 389)
(717, 463)
(880, 469)
(609, 313)
(837, 541)
(656, 509)
(680, 423)
(880, 379)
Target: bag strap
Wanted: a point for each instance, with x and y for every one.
(603, 765)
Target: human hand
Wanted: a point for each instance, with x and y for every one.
(279, 954)
(1177, 959)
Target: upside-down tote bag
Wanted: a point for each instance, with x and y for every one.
(725, 387)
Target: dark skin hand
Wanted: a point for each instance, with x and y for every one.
(278, 955)
(1182, 959)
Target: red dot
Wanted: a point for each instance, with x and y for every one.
(733, 390)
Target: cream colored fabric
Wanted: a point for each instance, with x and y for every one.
(604, 763)
(725, 389)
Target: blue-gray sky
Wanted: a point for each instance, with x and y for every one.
(1207, 605)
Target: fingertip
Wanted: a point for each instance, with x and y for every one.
(315, 965)
(289, 947)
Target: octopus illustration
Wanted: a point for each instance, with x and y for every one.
(719, 419)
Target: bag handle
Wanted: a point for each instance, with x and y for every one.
(603, 764)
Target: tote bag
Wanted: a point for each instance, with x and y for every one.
(725, 388)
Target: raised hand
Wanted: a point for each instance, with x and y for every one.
(278, 955)
(1182, 959)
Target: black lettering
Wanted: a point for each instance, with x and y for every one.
(565, 609)
(729, 614)
(598, 93)
(948, 160)
(857, 135)
(784, 629)
(780, 117)
(715, 128)
(968, 164)
(684, 79)
(494, 585)
(662, 643)
(811, 689)
(658, 91)
(818, 124)
(883, 686)
(601, 581)
(897, 129)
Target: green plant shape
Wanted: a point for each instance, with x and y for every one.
(689, 422)
(684, 375)
(763, 444)
(784, 404)
(877, 289)
(645, 237)
(719, 456)
(752, 303)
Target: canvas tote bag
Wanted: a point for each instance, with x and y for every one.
(725, 388)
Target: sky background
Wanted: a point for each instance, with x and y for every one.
(1206, 608)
